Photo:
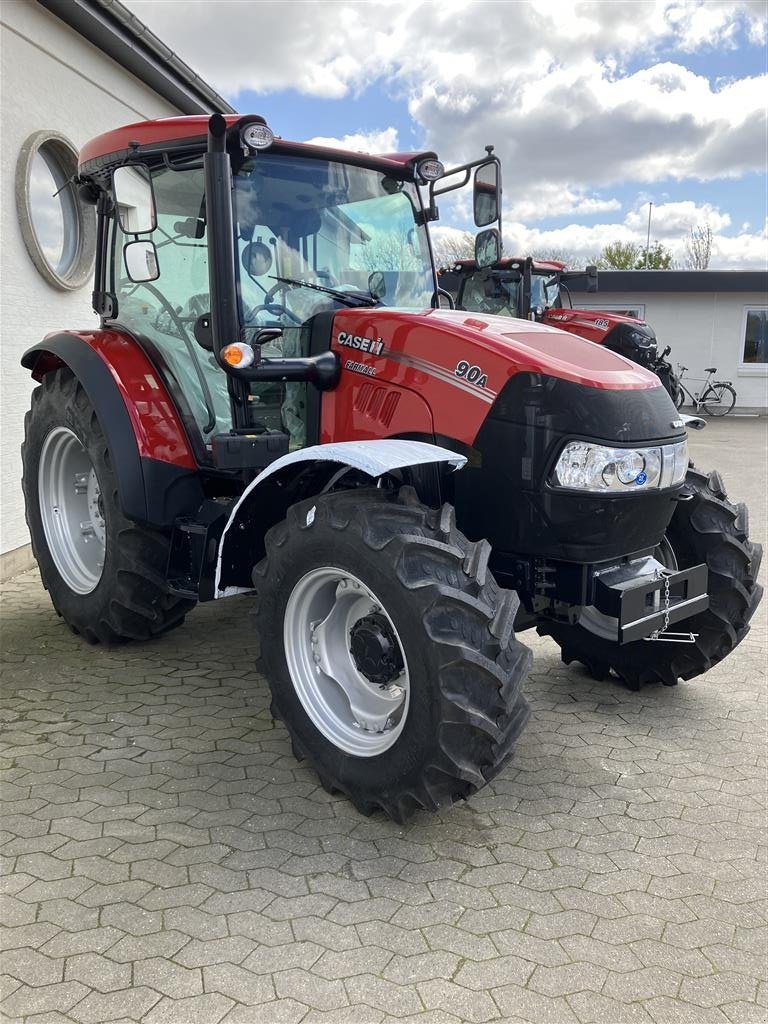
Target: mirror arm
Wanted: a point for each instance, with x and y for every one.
(104, 303)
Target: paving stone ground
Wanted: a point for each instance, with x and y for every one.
(166, 860)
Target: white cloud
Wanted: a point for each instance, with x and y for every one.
(670, 220)
(549, 90)
(543, 200)
(670, 224)
(549, 87)
(383, 141)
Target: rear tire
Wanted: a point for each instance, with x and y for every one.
(724, 401)
(708, 528)
(451, 624)
(119, 593)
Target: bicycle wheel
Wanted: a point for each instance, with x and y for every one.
(679, 398)
(719, 400)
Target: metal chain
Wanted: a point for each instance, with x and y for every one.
(662, 633)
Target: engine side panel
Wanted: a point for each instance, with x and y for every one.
(457, 363)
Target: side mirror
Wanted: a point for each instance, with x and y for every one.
(141, 261)
(486, 193)
(256, 259)
(487, 248)
(134, 198)
(591, 273)
(377, 285)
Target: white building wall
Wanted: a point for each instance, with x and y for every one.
(703, 329)
(52, 79)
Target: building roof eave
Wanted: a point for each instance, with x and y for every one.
(111, 27)
(642, 281)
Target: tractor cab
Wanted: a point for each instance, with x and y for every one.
(538, 290)
(231, 250)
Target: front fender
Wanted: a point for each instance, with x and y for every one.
(374, 458)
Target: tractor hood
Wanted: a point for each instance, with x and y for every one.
(459, 363)
(540, 348)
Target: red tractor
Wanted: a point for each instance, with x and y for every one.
(274, 403)
(538, 290)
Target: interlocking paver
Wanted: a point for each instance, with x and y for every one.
(94, 940)
(238, 983)
(31, 967)
(27, 1000)
(196, 953)
(718, 989)
(168, 977)
(593, 1008)
(333, 936)
(634, 986)
(393, 999)
(136, 947)
(157, 823)
(284, 1011)
(98, 972)
(664, 1010)
(517, 1003)
(320, 993)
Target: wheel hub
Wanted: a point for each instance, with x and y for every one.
(72, 510)
(346, 662)
(375, 650)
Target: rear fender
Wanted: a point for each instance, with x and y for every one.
(267, 498)
(156, 471)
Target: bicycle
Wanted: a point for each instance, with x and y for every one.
(716, 398)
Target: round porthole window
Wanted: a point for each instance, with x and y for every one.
(59, 230)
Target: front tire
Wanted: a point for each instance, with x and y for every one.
(708, 528)
(389, 650)
(105, 574)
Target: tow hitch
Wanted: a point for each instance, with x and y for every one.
(647, 598)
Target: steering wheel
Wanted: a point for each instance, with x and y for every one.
(274, 309)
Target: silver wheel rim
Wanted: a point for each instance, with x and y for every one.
(71, 510)
(607, 626)
(360, 717)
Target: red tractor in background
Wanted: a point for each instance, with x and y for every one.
(538, 290)
(275, 404)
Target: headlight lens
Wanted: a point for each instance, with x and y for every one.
(597, 468)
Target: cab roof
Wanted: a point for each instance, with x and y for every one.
(171, 133)
(508, 261)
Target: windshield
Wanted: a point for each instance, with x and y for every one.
(491, 291)
(349, 231)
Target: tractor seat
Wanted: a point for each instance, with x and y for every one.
(710, 369)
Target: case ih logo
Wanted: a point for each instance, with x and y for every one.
(373, 345)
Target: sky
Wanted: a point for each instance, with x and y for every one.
(596, 108)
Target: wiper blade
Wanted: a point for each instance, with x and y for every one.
(345, 298)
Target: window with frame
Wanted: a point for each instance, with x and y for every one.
(58, 228)
(754, 342)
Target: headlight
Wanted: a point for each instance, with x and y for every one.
(257, 136)
(430, 170)
(597, 468)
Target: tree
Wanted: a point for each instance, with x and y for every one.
(630, 256)
(659, 258)
(570, 259)
(698, 247)
(619, 256)
(450, 246)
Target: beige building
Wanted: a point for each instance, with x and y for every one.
(708, 317)
(71, 69)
